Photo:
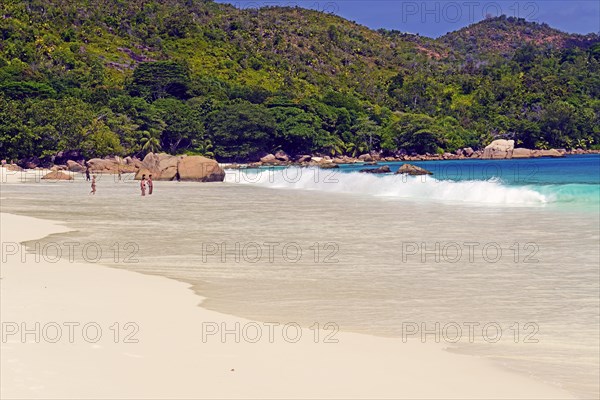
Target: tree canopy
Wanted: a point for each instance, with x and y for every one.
(194, 76)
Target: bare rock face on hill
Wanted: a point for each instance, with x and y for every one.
(57, 176)
(499, 149)
(164, 167)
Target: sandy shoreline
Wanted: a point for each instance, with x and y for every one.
(172, 359)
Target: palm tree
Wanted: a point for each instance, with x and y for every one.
(354, 149)
(335, 146)
(203, 148)
(150, 143)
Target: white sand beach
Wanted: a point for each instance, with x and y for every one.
(171, 360)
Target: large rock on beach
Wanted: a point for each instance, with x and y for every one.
(413, 170)
(29, 162)
(100, 165)
(269, 158)
(499, 149)
(547, 153)
(63, 156)
(304, 158)
(521, 152)
(74, 166)
(13, 168)
(168, 168)
(282, 156)
(112, 165)
(162, 167)
(199, 169)
(134, 161)
(57, 176)
(165, 167)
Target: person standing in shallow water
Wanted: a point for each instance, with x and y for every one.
(143, 185)
(93, 185)
(87, 174)
(150, 184)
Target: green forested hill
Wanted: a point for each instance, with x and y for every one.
(127, 77)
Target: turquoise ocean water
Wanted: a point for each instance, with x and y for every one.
(572, 179)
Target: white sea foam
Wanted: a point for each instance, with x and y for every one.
(400, 186)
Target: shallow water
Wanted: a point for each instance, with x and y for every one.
(380, 255)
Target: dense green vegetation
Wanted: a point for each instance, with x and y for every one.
(192, 76)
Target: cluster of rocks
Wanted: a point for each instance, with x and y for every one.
(165, 167)
(505, 149)
(196, 168)
(282, 159)
(407, 169)
(112, 165)
(498, 149)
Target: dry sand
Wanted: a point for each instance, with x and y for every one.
(171, 360)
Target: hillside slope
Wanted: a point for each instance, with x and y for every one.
(105, 77)
(502, 36)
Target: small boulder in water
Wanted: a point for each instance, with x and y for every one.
(328, 165)
(413, 170)
(381, 170)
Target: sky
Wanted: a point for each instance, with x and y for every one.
(435, 18)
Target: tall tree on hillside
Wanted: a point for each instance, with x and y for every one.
(160, 79)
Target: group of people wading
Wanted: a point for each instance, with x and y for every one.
(145, 182)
